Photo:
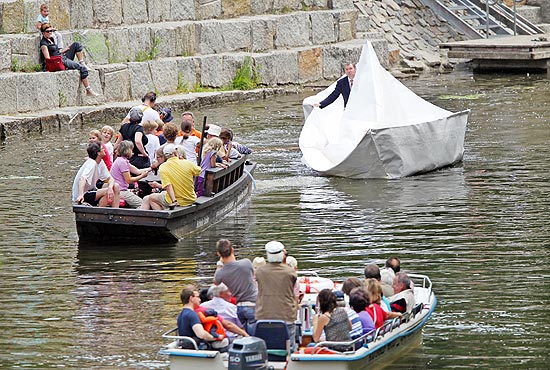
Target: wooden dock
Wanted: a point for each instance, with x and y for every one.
(504, 54)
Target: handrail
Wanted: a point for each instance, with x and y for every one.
(180, 337)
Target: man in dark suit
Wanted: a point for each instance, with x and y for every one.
(343, 87)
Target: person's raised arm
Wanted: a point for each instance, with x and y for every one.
(131, 179)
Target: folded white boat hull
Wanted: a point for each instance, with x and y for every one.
(396, 152)
(385, 131)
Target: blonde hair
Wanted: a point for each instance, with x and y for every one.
(257, 262)
(95, 133)
(110, 129)
(180, 151)
(374, 289)
(292, 262)
(214, 143)
(149, 126)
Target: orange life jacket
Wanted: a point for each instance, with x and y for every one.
(212, 321)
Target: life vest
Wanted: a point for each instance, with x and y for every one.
(208, 322)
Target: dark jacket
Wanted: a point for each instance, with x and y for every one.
(342, 87)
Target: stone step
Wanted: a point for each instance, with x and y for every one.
(29, 92)
(531, 13)
(20, 15)
(169, 39)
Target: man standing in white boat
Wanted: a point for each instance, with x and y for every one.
(238, 275)
(343, 87)
(276, 297)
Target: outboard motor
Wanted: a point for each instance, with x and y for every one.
(248, 353)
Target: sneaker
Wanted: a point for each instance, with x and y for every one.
(91, 92)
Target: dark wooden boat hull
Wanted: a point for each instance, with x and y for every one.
(97, 225)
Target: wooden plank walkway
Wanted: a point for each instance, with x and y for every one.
(507, 53)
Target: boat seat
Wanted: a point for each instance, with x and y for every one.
(418, 308)
(275, 335)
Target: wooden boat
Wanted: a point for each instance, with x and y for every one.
(225, 190)
(376, 347)
(385, 131)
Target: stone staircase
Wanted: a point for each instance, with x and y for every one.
(538, 12)
(173, 46)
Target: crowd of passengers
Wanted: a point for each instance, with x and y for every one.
(267, 289)
(148, 141)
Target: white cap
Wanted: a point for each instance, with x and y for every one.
(274, 247)
(214, 130)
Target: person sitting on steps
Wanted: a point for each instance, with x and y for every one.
(48, 48)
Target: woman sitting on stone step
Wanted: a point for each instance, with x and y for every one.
(49, 49)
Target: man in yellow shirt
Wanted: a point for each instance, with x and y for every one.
(176, 176)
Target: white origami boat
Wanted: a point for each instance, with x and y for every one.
(385, 131)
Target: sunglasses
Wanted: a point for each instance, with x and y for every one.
(49, 31)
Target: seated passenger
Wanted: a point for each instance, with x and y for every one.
(94, 169)
(190, 143)
(176, 177)
(359, 300)
(374, 290)
(189, 323)
(356, 327)
(209, 155)
(372, 271)
(122, 173)
(393, 266)
(403, 300)
(332, 319)
(94, 136)
(221, 303)
(226, 136)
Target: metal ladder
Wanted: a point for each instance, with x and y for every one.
(470, 17)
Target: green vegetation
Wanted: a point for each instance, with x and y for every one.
(143, 56)
(27, 67)
(247, 76)
(305, 7)
(286, 9)
(62, 99)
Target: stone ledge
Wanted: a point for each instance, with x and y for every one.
(170, 39)
(12, 127)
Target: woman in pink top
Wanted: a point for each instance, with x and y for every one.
(121, 173)
(95, 135)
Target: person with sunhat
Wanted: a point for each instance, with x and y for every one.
(276, 280)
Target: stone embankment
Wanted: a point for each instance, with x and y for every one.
(181, 46)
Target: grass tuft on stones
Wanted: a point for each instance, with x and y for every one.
(27, 67)
(247, 76)
(143, 56)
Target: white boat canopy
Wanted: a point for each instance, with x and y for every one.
(386, 130)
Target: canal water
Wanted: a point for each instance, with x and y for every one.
(480, 230)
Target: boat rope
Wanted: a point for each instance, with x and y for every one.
(251, 177)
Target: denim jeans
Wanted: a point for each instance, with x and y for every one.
(246, 315)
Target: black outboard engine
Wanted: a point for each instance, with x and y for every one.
(248, 353)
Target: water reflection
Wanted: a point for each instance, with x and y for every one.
(479, 230)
